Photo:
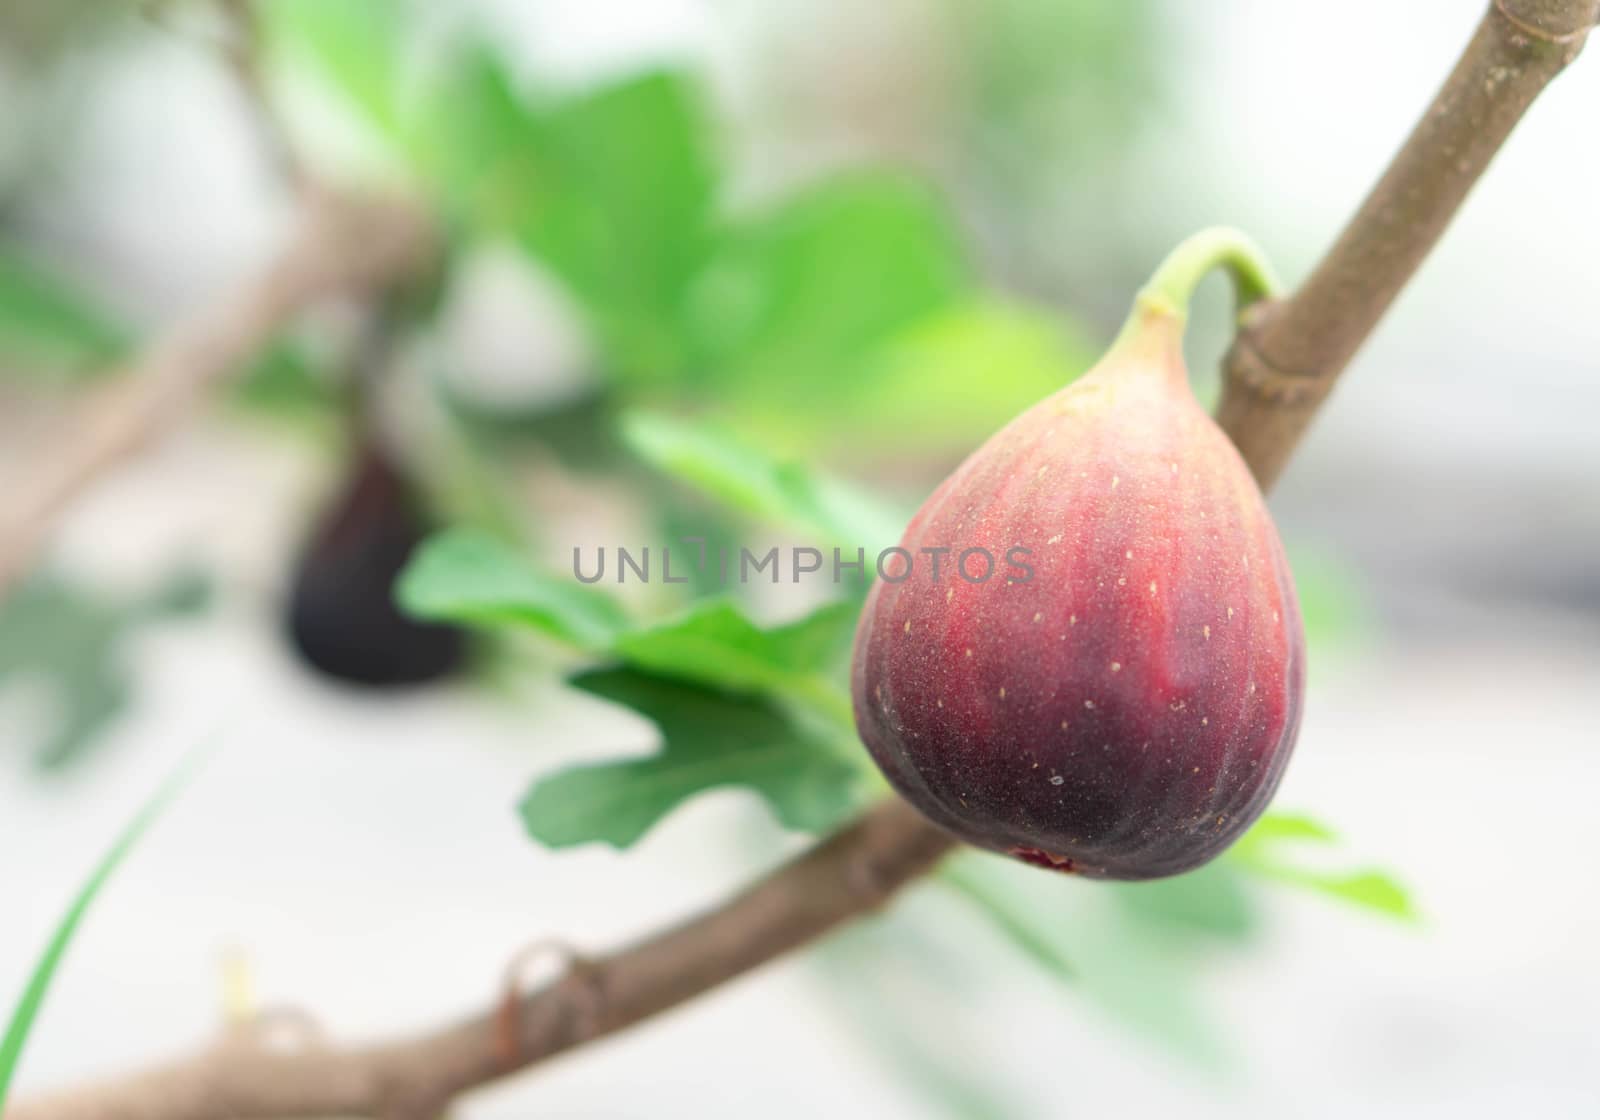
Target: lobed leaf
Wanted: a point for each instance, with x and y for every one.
(713, 643)
(610, 190)
(792, 297)
(712, 458)
(467, 576)
(709, 740)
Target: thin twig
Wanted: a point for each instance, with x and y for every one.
(341, 244)
(1279, 372)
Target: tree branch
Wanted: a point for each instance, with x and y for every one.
(1279, 371)
(243, 53)
(1286, 358)
(847, 876)
(341, 243)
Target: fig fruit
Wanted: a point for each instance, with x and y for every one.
(342, 616)
(1087, 652)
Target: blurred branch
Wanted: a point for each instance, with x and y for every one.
(847, 876)
(243, 54)
(1288, 355)
(1279, 371)
(341, 243)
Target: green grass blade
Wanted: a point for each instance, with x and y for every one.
(27, 1008)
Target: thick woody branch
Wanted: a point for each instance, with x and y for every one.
(1285, 360)
(341, 244)
(1279, 371)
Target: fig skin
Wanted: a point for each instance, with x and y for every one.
(1126, 712)
(341, 614)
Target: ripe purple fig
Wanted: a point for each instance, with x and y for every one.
(1088, 653)
(342, 617)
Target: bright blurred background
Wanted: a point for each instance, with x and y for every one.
(857, 238)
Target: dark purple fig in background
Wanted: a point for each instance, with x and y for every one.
(1126, 710)
(342, 615)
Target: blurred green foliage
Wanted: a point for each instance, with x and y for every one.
(71, 639)
(1038, 71)
(1010, 912)
(47, 327)
(909, 992)
(358, 47)
(470, 577)
(923, 377)
(1139, 951)
(1333, 603)
(1275, 850)
(711, 458)
(26, 1012)
(610, 190)
(796, 294)
(803, 320)
(54, 332)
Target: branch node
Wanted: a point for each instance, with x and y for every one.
(1248, 370)
(1529, 27)
(577, 975)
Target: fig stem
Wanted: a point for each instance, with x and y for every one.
(1172, 285)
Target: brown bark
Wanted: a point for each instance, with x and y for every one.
(1288, 355)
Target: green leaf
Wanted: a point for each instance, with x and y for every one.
(71, 637)
(464, 575)
(713, 643)
(1371, 890)
(968, 874)
(1268, 850)
(27, 1009)
(1280, 828)
(905, 994)
(284, 381)
(1134, 969)
(355, 45)
(950, 380)
(1151, 982)
(1212, 901)
(793, 298)
(474, 143)
(611, 190)
(1333, 602)
(736, 704)
(709, 740)
(47, 325)
(710, 457)
(635, 161)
